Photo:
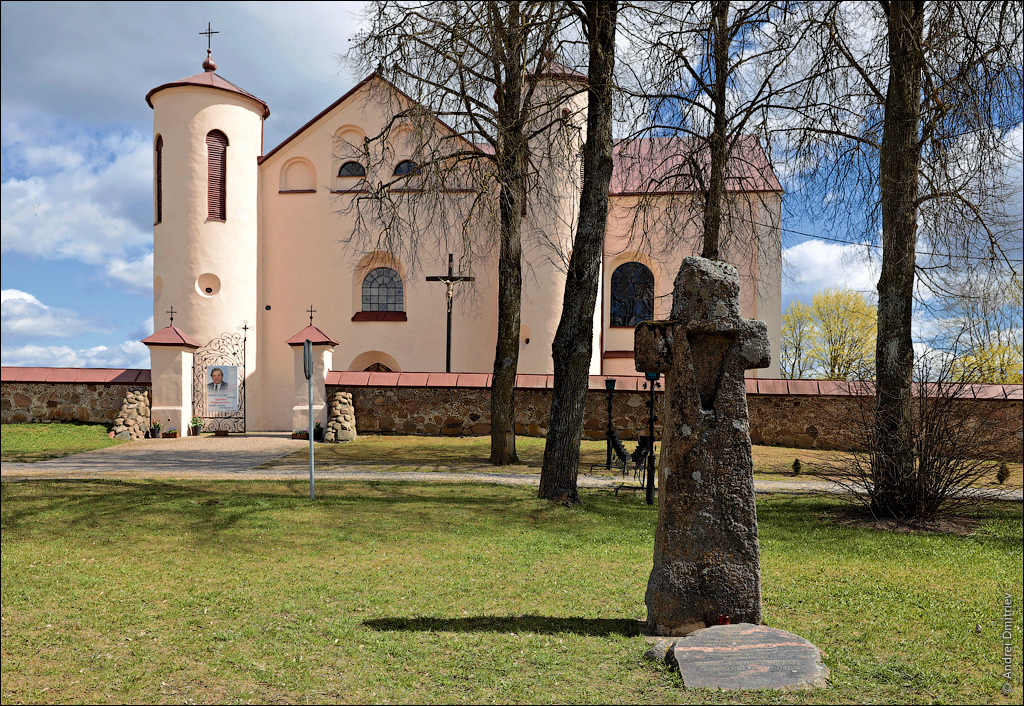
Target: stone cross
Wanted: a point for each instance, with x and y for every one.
(706, 556)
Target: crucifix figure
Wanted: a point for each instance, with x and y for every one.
(449, 280)
(707, 566)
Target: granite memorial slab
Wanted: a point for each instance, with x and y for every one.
(748, 656)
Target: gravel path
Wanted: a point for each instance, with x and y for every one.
(237, 456)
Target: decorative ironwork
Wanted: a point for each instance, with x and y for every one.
(227, 349)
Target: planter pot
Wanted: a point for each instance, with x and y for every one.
(301, 435)
(318, 435)
(220, 432)
(194, 431)
(154, 433)
(170, 435)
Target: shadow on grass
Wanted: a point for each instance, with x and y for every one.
(545, 625)
(210, 508)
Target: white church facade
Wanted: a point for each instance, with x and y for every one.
(247, 240)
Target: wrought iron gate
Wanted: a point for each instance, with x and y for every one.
(227, 349)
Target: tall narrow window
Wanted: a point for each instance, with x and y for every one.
(632, 298)
(217, 156)
(158, 170)
(382, 290)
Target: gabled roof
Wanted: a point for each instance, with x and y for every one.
(171, 336)
(315, 336)
(649, 165)
(352, 91)
(208, 79)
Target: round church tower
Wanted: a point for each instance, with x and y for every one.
(560, 99)
(207, 136)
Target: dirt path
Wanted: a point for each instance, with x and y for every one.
(237, 457)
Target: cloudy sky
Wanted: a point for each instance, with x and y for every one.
(77, 248)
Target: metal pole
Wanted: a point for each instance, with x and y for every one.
(649, 490)
(609, 385)
(309, 385)
(307, 368)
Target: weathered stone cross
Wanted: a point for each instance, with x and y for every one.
(706, 556)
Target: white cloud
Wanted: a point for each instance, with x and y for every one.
(130, 354)
(22, 314)
(815, 265)
(76, 205)
(137, 274)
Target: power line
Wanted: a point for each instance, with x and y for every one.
(874, 245)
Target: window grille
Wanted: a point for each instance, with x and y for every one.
(382, 290)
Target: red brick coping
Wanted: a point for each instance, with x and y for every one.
(94, 376)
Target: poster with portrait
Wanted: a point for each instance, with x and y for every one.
(222, 388)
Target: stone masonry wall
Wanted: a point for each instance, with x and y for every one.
(798, 421)
(65, 402)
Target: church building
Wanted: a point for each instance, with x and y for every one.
(252, 257)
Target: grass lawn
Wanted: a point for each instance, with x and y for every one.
(40, 442)
(450, 453)
(220, 592)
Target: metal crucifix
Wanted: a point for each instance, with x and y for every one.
(449, 280)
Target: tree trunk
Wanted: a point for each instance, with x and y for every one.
(714, 197)
(899, 163)
(511, 160)
(572, 347)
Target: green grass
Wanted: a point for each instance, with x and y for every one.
(472, 453)
(209, 592)
(40, 442)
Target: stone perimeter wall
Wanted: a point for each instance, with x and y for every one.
(804, 422)
(798, 421)
(64, 402)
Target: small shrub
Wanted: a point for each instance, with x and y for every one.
(797, 467)
(1003, 474)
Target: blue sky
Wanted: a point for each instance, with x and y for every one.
(76, 167)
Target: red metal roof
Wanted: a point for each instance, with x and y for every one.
(209, 79)
(171, 336)
(661, 165)
(120, 376)
(315, 335)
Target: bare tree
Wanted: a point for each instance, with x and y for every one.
(905, 112)
(573, 342)
(957, 438)
(483, 130)
(707, 78)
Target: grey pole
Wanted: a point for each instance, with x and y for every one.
(307, 363)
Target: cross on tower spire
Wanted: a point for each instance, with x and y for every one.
(209, 37)
(171, 312)
(208, 64)
(311, 312)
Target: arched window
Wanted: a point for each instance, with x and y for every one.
(632, 298)
(377, 368)
(217, 171)
(351, 169)
(406, 166)
(382, 290)
(158, 173)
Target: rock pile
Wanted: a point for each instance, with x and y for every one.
(132, 422)
(342, 423)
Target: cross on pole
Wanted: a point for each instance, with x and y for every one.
(311, 312)
(209, 36)
(171, 312)
(449, 281)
